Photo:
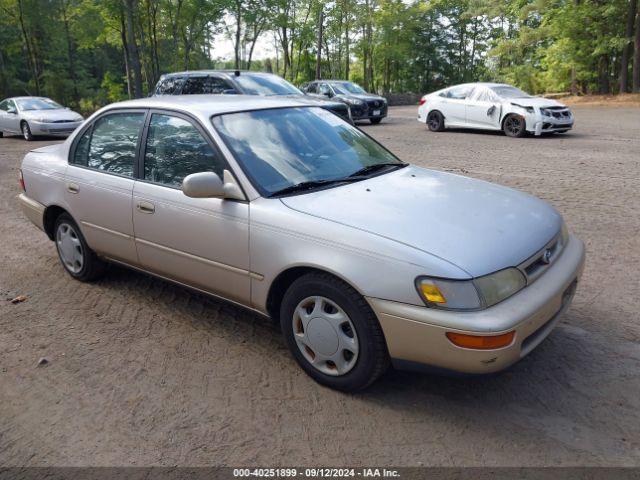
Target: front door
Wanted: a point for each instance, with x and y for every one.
(483, 109)
(202, 242)
(100, 179)
(9, 121)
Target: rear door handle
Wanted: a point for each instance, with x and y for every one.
(146, 207)
(72, 188)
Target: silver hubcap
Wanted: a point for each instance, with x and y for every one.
(325, 335)
(25, 131)
(69, 247)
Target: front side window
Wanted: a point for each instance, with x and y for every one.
(253, 84)
(175, 148)
(205, 85)
(111, 144)
(281, 148)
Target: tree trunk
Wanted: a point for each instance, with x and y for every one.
(626, 51)
(237, 65)
(319, 46)
(636, 57)
(134, 57)
(603, 74)
(30, 55)
(125, 51)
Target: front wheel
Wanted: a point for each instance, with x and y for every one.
(435, 121)
(332, 333)
(75, 255)
(515, 126)
(375, 121)
(26, 131)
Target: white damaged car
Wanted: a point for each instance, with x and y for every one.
(493, 106)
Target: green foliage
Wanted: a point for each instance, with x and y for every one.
(79, 51)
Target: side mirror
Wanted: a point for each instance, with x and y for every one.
(210, 185)
(203, 185)
(12, 111)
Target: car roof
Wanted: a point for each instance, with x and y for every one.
(187, 73)
(25, 97)
(207, 105)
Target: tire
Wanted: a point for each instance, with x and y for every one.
(435, 121)
(1, 134)
(344, 320)
(514, 126)
(375, 121)
(75, 255)
(26, 131)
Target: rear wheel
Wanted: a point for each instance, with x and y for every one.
(435, 121)
(332, 333)
(26, 131)
(375, 121)
(75, 255)
(514, 126)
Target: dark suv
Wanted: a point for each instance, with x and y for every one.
(240, 83)
(363, 105)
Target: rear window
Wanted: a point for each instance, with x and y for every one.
(206, 85)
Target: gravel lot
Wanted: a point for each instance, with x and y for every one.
(145, 373)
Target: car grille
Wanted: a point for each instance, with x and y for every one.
(537, 264)
(375, 104)
(559, 112)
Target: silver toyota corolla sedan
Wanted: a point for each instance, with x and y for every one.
(33, 116)
(288, 210)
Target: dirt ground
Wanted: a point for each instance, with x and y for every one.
(141, 372)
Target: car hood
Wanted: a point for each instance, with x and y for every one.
(51, 115)
(318, 101)
(536, 102)
(478, 226)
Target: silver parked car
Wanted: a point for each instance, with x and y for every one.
(288, 210)
(33, 116)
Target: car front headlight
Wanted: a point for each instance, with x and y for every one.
(545, 112)
(353, 101)
(481, 292)
(41, 119)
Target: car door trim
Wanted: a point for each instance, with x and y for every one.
(206, 261)
(106, 230)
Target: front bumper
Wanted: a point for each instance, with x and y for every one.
(364, 112)
(551, 124)
(416, 335)
(55, 128)
(33, 210)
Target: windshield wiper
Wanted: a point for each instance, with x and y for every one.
(374, 168)
(308, 185)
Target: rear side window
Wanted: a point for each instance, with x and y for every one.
(312, 88)
(111, 144)
(205, 85)
(169, 86)
(175, 148)
(459, 93)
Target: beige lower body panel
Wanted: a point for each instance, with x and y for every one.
(33, 210)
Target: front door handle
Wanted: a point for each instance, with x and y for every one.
(72, 188)
(146, 207)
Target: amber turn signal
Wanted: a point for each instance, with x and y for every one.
(481, 342)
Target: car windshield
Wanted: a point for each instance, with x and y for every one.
(344, 88)
(265, 85)
(285, 147)
(25, 104)
(510, 92)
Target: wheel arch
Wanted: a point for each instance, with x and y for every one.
(285, 279)
(51, 214)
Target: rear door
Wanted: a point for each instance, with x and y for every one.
(453, 105)
(100, 179)
(202, 242)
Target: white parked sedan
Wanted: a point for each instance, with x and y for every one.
(285, 208)
(493, 106)
(33, 116)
